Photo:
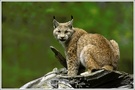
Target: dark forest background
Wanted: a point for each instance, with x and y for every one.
(27, 34)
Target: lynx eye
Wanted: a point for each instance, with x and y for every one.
(58, 31)
(66, 31)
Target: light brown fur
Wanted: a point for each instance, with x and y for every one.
(93, 51)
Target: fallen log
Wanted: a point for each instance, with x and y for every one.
(98, 79)
(58, 78)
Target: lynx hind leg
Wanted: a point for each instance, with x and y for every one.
(87, 60)
(91, 65)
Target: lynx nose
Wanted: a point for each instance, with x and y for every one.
(61, 37)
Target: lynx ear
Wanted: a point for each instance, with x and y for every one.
(70, 23)
(55, 23)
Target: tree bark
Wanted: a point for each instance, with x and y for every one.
(57, 79)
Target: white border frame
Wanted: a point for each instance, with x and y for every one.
(60, 1)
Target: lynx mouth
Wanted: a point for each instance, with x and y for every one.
(62, 40)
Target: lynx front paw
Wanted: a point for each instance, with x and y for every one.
(72, 74)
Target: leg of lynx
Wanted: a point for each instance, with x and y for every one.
(87, 58)
(72, 65)
(91, 64)
(95, 58)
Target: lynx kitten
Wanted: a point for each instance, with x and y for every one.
(93, 51)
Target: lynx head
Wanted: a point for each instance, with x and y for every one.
(63, 31)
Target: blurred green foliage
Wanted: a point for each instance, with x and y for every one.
(27, 34)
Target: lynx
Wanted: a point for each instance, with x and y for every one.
(93, 51)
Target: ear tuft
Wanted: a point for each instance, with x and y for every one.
(55, 23)
(70, 23)
(71, 17)
(53, 17)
